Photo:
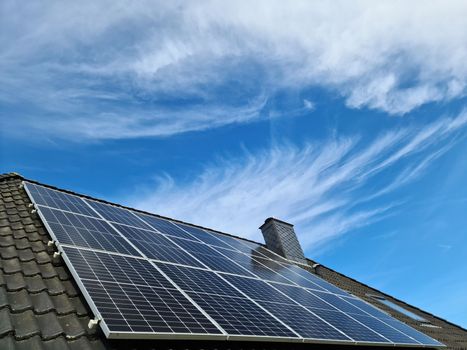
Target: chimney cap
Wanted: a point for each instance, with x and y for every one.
(271, 219)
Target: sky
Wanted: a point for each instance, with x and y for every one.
(346, 118)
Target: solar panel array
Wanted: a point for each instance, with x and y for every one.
(149, 277)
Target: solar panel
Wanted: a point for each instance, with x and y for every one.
(132, 296)
(149, 277)
(84, 231)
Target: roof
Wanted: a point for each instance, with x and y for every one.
(42, 308)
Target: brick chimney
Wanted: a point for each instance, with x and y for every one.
(280, 237)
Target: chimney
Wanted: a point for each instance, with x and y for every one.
(280, 237)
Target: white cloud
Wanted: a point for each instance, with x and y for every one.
(76, 61)
(326, 189)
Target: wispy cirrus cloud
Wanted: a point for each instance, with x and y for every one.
(159, 68)
(326, 189)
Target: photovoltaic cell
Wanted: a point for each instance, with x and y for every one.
(258, 290)
(304, 322)
(253, 266)
(84, 231)
(117, 214)
(156, 246)
(204, 236)
(200, 281)
(211, 258)
(383, 329)
(367, 308)
(284, 272)
(59, 200)
(240, 316)
(166, 227)
(422, 338)
(303, 297)
(349, 326)
(320, 283)
(338, 302)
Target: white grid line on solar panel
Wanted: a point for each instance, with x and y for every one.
(148, 309)
(57, 199)
(241, 316)
(317, 281)
(304, 322)
(116, 214)
(350, 326)
(157, 246)
(84, 231)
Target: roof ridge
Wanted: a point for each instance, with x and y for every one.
(10, 175)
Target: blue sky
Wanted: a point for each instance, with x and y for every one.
(347, 119)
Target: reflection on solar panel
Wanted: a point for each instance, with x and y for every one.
(148, 277)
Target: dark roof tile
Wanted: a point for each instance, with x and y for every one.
(3, 297)
(84, 343)
(72, 326)
(19, 301)
(22, 243)
(56, 344)
(11, 265)
(62, 273)
(19, 233)
(35, 284)
(15, 281)
(47, 270)
(49, 325)
(54, 286)
(7, 343)
(42, 302)
(70, 288)
(42, 257)
(25, 324)
(30, 268)
(62, 303)
(79, 306)
(6, 240)
(8, 252)
(33, 343)
(25, 255)
(5, 322)
(38, 246)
